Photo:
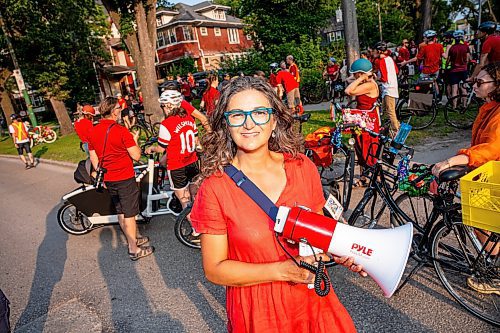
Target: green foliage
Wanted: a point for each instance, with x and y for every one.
(184, 66)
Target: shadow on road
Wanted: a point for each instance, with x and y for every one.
(130, 304)
(49, 269)
(39, 153)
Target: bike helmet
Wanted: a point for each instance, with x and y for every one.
(430, 34)
(489, 27)
(458, 34)
(274, 66)
(332, 59)
(361, 66)
(14, 116)
(171, 96)
(381, 46)
(88, 109)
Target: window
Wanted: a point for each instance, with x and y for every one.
(172, 38)
(158, 22)
(188, 33)
(207, 61)
(219, 15)
(233, 36)
(217, 31)
(203, 31)
(338, 15)
(160, 39)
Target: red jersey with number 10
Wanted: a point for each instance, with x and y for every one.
(178, 135)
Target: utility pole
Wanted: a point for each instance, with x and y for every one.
(17, 74)
(350, 31)
(379, 20)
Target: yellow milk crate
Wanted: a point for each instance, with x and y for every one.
(481, 197)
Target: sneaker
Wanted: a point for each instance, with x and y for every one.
(491, 287)
(193, 239)
(27, 166)
(32, 165)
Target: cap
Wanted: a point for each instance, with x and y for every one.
(88, 109)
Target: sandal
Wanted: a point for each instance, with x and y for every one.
(143, 252)
(142, 240)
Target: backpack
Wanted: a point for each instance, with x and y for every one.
(319, 148)
(4, 313)
(83, 171)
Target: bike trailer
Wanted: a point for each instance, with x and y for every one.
(318, 143)
(481, 197)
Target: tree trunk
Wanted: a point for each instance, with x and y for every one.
(350, 31)
(426, 15)
(62, 116)
(5, 101)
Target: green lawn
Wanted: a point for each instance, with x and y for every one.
(66, 148)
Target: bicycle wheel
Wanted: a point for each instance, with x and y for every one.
(418, 119)
(183, 229)
(49, 136)
(348, 179)
(459, 265)
(463, 114)
(336, 170)
(418, 209)
(314, 95)
(73, 221)
(368, 212)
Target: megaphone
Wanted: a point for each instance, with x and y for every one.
(382, 252)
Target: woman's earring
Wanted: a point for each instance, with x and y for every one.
(273, 133)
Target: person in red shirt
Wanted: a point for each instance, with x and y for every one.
(186, 90)
(457, 61)
(430, 53)
(112, 149)
(404, 53)
(191, 81)
(490, 50)
(265, 290)
(293, 68)
(84, 125)
(273, 69)
(286, 83)
(332, 70)
(211, 95)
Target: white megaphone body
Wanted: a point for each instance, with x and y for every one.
(383, 253)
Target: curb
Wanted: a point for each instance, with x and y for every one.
(44, 161)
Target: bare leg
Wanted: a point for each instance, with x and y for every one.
(129, 228)
(454, 93)
(184, 196)
(23, 159)
(30, 157)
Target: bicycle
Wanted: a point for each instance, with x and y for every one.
(146, 128)
(461, 111)
(418, 109)
(41, 134)
(460, 260)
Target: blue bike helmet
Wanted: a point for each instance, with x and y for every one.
(458, 34)
(361, 66)
(332, 59)
(489, 27)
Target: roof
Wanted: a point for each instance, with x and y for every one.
(118, 70)
(184, 13)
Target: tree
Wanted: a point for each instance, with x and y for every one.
(51, 39)
(136, 21)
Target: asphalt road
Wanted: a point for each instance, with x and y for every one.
(62, 283)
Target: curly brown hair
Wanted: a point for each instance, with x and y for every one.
(493, 70)
(219, 147)
(107, 106)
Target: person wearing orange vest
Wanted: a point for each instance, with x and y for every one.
(19, 134)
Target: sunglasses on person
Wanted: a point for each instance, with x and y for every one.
(236, 118)
(479, 82)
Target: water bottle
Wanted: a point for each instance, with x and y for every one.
(400, 138)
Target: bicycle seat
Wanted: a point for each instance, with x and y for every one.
(303, 118)
(453, 173)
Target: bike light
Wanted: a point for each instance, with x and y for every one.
(352, 141)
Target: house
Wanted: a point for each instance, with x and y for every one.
(203, 32)
(335, 29)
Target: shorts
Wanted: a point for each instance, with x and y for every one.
(182, 177)
(456, 77)
(125, 195)
(293, 98)
(125, 113)
(23, 146)
(431, 75)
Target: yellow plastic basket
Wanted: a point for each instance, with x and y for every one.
(481, 197)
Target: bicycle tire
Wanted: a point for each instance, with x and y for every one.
(76, 223)
(348, 179)
(454, 271)
(417, 119)
(364, 214)
(336, 169)
(314, 95)
(418, 209)
(50, 136)
(183, 229)
(461, 117)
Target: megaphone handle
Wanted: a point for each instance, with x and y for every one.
(306, 250)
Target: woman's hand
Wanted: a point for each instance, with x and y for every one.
(150, 150)
(439, 167)
(349, 263)
(289, 271)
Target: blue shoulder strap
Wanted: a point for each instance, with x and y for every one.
(252, 191)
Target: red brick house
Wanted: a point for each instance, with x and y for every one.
(203, 32)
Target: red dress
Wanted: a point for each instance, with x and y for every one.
(223, 208)
(367, 145)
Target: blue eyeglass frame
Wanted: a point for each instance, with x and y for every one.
(248, 113)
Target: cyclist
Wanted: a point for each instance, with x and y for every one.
(485, 146)
(431, 54)
(287, 84)
(293, 68)
(388, 76)
(178, 136)
(84, 125)
(331, 74)
(458, 58)
(490, 50)
(273, 69)
(211, 95)
(19, 133)
(365, 89)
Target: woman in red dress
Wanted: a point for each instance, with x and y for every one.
(266, 290)
(211, 95)
(365, 89)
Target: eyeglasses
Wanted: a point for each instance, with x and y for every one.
(236, 118)
(479, 82)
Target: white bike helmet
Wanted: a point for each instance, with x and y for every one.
(171, 96)
(430, 34)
